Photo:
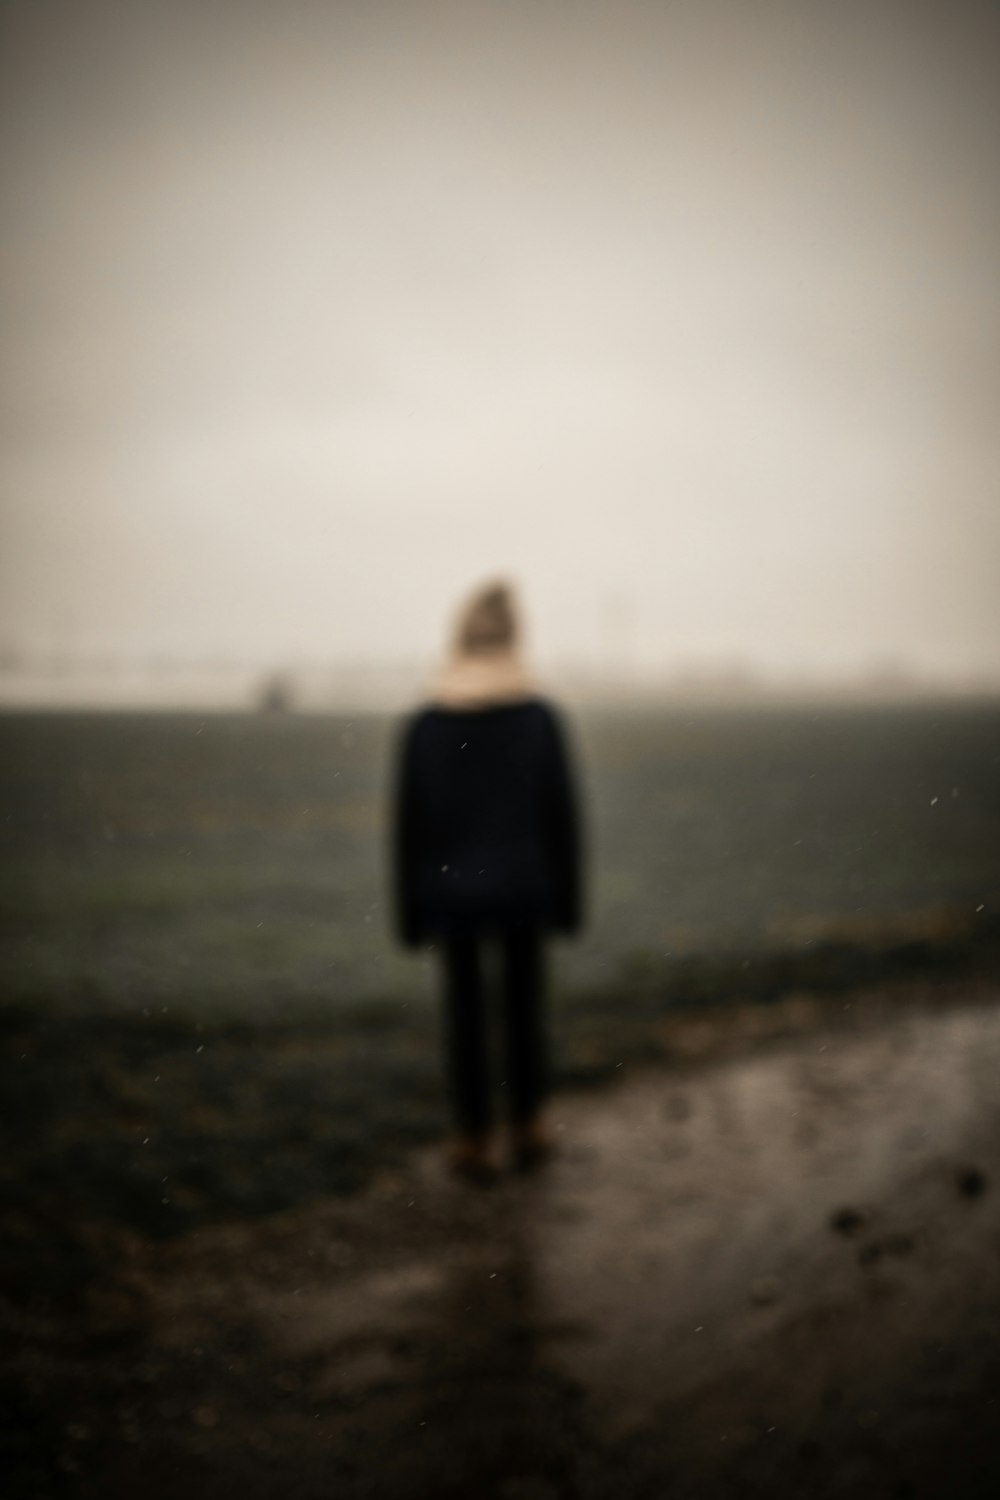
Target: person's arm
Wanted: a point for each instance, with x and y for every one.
(405, 841)
(563, 832)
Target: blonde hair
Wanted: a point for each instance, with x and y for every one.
(488, 622)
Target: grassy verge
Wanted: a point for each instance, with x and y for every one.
(160, 1123)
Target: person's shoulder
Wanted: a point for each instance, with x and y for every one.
(430, 718)
(419, 720)
(428, 723)
(540, 720)
(544, 710)
(534, 711)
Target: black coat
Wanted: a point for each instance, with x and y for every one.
(486, 829)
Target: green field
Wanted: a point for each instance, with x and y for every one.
(235, 865)
(202, 988)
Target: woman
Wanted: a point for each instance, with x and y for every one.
(487, 848)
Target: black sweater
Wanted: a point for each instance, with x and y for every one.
(486, 829)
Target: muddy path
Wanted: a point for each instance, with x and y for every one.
(774, 1272)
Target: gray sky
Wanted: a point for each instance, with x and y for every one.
(316, 313)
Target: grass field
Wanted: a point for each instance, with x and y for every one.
(235, 865)
(202, 986)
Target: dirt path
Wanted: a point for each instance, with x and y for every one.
(773, 1275)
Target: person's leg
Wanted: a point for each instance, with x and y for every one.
(466, 1047)
(527, 1049)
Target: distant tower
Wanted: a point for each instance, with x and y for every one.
(276, 694)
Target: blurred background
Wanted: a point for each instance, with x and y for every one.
(684, 317)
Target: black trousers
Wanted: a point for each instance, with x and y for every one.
(525, 1079)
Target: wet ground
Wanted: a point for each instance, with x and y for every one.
(760, 1270)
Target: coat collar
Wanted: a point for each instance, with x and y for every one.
(482, 680)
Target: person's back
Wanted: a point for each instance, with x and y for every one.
(487, 846)
(487, 830)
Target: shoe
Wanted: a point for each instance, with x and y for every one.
(471, 1158)
(531, 1144)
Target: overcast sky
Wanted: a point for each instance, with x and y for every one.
(685, 316)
